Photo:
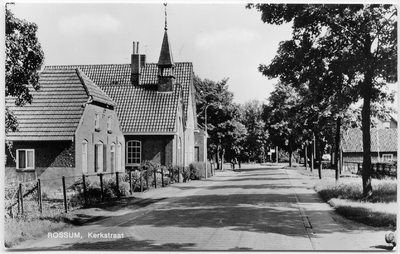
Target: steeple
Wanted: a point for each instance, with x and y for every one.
(166, 65)
(166, 58)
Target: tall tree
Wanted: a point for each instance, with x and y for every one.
(222, 114)
(284, 118)
(257, 135)
(24, 56)
(360, 39)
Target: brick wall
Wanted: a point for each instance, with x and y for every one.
(155, 148)
(47, 153)
(88, 133)
(53, 156)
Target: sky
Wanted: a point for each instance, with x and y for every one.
(221, 40)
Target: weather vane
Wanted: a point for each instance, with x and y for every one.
(165, 5)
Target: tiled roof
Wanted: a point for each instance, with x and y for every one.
(56, 107)
(93, 90)
(383, 139)
(141, 108)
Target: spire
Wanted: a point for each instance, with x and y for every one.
(166, 59)
(165, 28)
(166, 65)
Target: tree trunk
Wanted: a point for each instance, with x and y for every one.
(366, 120)
(337, 145)
(222, 158)
(305, 157)
(318, 155)
(290, 155)
(218, 158)
(312, 154)
(366, 130)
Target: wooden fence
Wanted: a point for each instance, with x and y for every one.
(141, 181)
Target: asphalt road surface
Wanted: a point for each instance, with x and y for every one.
(256, 208)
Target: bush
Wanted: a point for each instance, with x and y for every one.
(93, 191)
(198, 169)
(186, 174)
(383, 190)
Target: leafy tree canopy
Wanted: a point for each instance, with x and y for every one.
(346, 51)
(24, 56)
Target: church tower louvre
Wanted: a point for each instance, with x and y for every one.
(166, 65)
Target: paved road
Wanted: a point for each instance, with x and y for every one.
(267, 208)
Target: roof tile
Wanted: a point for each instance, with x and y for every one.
(141, 108)
(56, 107)
(384, 140)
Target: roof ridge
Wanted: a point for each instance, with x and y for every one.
(78, 72)
(92, 93)
(71, 65)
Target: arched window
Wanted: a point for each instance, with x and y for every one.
(84, 156)
(133, 152)
(98, 157)
(112, 157)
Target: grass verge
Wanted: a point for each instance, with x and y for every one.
(346, 197)
(22, 228)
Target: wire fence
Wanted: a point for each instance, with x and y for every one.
(48, 197)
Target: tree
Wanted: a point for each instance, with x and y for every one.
(284, 118)
(24, 56)
(222, 114)
(360, 45)
(254, 147)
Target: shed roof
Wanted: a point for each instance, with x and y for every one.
(56, 107)
(141, 108)
(382, 140)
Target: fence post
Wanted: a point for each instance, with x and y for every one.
(155, 178)
(130, 182)
(39, 190)
(21, 197)
(19, 202)
(141, 180)
(64, 194)
(179, 174)
(101, 186)
(147, 180)
(162, 177)
(117, 182)
(84, 188)
(384, 170)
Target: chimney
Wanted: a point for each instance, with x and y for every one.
(142, 61)
(135, 64)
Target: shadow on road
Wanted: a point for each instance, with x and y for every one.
(239, 204)
(130, 244)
